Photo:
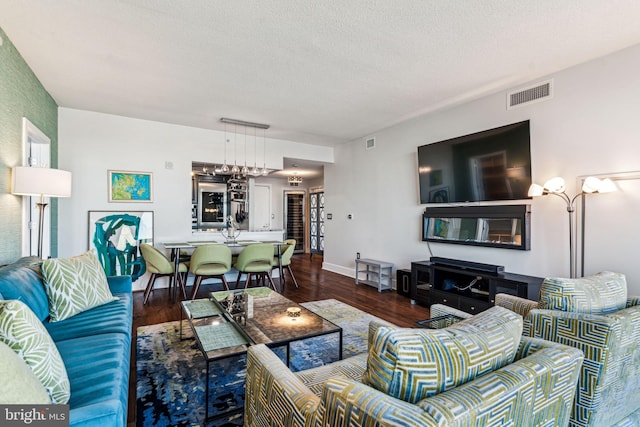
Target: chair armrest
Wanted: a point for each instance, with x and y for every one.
(119, 284)
(274, 395)
(519, 305)
(345, 401)
(547, 377)
(609, 343)
(437, 310)
(633, 301)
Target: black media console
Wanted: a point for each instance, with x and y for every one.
(468, 286)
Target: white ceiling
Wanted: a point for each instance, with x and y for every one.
(321, 72)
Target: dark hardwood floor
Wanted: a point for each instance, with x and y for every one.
(315, 284)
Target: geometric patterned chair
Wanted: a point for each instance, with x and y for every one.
(595, 315)
(495, 376)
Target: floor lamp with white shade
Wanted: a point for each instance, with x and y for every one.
(556, 186)
(43, 182)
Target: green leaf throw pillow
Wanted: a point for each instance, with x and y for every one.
(19, 384)
(21, 330)
(74, 285)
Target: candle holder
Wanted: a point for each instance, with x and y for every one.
(293, 312)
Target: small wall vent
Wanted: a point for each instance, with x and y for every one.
(540, 91)
(370, 143)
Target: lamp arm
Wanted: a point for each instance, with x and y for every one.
(566, 198)
(576, 197)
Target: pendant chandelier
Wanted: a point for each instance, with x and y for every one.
(244, 169)
(255, 171)
(225, 168)
(235, 169)
(265, 171)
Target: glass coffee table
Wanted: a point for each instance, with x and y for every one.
(438, 322)
(221, 333)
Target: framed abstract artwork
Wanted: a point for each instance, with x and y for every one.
(116, 237)
(128, 186)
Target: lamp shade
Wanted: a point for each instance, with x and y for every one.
(607, 186)
(555, 185)
(47, 182)
(535, 190)
(596, 185)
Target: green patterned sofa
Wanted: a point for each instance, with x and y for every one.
(478, 372)
(594, 315)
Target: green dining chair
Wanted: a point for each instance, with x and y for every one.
(255, 260)
(209, 261)
(287, 252)
(160, 266)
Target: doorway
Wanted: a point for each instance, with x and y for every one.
(294, 203)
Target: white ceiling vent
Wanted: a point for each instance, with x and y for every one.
(540, 91)
(370, 143)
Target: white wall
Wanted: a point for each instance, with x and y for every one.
(590, 126)
(92, 143)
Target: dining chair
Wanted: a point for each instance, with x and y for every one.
(209, 261)
(160, 266)
(287, 252)
(255, 260)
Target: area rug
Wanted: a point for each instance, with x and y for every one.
(171, 372)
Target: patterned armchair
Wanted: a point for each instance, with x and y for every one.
(494, 376)
(595, 315)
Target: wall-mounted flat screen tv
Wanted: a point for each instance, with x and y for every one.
(491, 165)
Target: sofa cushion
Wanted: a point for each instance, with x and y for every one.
(601, 293)
(412, 364)
(74, 285)
(111, 317)
(99, 378)
(22, 280)
(19, 384)
(21, 330)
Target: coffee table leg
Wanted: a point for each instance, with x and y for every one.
(340, 345)
(206, 395)
(288, 354)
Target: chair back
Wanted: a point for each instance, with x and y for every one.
(287, 253)
(256, 253)
(157, 262)
(210, 254)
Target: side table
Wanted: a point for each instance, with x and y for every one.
(378, 274)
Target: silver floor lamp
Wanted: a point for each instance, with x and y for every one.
(42, 182)
(556, 186)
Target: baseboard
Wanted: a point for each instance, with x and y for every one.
(345, 271)
(349, 272)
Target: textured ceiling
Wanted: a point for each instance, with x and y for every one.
(321, 72)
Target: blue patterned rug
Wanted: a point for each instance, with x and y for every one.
(170, 372)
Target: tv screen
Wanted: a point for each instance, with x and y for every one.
(491, 165)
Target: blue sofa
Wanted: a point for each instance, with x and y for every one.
(95, 345)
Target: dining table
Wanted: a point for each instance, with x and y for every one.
(236, 247)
